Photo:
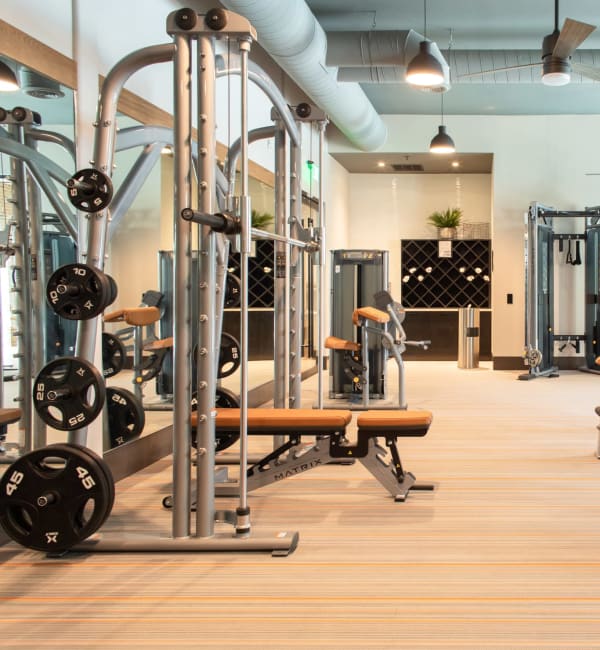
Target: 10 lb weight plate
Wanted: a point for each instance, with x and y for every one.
(53, 498)
(79, 292)
(126, 418)
(68, 393)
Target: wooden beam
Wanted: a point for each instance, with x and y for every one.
(22, 48)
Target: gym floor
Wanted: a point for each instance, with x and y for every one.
(503, 554)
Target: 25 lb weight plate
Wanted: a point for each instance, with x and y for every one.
(55, 497)
(223, 399)
(79, 292)
(68, 393)
(229, 356)
(126, 418)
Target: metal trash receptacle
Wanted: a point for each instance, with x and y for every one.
(468, 337)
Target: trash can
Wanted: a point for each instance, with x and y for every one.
(468, 337)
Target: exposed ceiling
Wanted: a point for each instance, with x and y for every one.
(479, 26)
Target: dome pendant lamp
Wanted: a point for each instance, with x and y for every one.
(8, 79)
(442, 142)
(424, 69)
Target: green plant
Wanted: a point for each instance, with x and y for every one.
(449, 218)
(261, 221)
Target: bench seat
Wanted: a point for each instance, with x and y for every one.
(401, 423)
(8, 416)
(336, 343)
(269, 421)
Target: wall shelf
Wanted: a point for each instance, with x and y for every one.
(430, 281)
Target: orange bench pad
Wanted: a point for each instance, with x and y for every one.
(390, 420)
(335, 343)
(292, 420)
(134, 315)
(370, 313)
(8, 416)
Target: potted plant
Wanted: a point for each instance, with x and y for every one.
(446, 222)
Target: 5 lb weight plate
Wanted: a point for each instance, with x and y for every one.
(68, 393)
(126, 418)
(90, 190)
(79, 292)
(53, 498)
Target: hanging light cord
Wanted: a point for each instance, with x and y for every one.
(442, 94)
(425, 18)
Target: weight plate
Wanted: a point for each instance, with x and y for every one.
(90, 190)
(78, 291)
(126, 417)
(114, 290)
(53, 498)
(229, 356)
(232, 291)
(113, 355)
(68, 393)
(223, 399)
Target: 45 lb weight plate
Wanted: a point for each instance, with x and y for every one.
(126, 417)
(55, 497)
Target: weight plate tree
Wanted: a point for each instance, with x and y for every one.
(126, 418)
(68, 393)
(79, 292)
(55, 497)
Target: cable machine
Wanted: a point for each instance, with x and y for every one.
(540, 333)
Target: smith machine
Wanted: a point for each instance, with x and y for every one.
(540, 334)
(56, 497)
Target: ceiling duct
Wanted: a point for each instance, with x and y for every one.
(379, 56)
(289, 32)
(407, 167)
(36, 85)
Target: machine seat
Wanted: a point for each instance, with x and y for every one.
(335, 343)
(134, 316)
(370, 313)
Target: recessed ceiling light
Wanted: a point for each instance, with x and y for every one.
(455, 163)
(380, 163)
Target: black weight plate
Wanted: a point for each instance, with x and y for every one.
(114, 289)
(68, 393)
(78, 291)
(229, 356)
(226, 399)
(223, 399)
(232, 291)
(126, 418)
(55, 497)
(90, 190)
(113, 355)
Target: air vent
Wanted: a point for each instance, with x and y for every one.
(400, 167)
(39, 86)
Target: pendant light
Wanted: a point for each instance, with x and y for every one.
(424, 69)
(8, 79)
(442, 142)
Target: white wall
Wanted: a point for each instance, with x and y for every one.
(386, 208)
(543, 158)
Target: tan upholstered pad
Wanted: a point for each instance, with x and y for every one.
(335, 343)
(161, 344)
(390, 420)
(371, 313)
(134, 315)
(8, 416)
(292, 420)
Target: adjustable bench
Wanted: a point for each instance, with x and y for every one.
(331, 444)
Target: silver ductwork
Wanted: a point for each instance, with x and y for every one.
(289, 32)
(379, 56)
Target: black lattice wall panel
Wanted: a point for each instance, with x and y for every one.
(260, 274)
(458, 281)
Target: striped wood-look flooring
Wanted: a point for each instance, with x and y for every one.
(505, 553)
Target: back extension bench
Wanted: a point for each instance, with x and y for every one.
(328, 426)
